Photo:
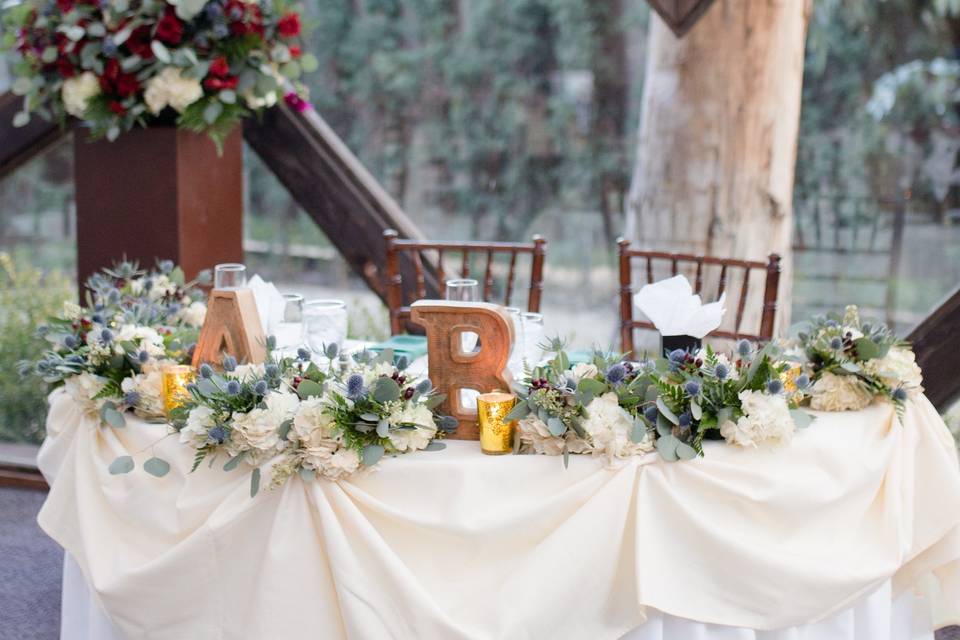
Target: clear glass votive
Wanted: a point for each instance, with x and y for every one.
(532, 328)
(289, 332)
(463, 290)
(325, 323)
(230, 275)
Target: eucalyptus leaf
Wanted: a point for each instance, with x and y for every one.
(372, 454)
(695, 410)
(383, 428)
(49, 54)
(110, 415)
(123, 464)
(307, 474)
(685, 451)
(188, 9)
(385, 390)
(556, 426)
(867, 349)
(666, 412)
(518, 412)
(851, 367)
(96, 29)
(436, 445)
(228, 96)
(309, 63)
(212, 112)
(156, 467)
(664, 427)
(638, 431)
(308, 389)
(370, 417)
(160, 51)
(255, 482)
(233, 462)
(284, 429)
(801, 418)
(667, 447)
(591, 386)
(21, 86)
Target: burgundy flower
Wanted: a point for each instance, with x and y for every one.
(65, 5)
(289, 25)
(65, 68)
(117, 108)
(115, 82)
(219, 68)
(295, 51)
(139, 42)
(218, 84)
(170, 29)
(296, 103)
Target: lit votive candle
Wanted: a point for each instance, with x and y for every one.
(175, 381)
(496, 434)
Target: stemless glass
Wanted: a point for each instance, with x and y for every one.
(515, 363)
(463, 290)
(289, 332)
(325, 322)
(532, 324)
(229, 275)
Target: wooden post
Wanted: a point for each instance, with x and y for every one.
(626, 297)
(769, 317)
(394, 282)
(536, 274)
(158, 193)
(896, 254)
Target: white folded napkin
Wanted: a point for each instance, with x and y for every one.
(269, 303)
(674, 309)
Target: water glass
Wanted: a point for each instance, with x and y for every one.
(289, 332)
(229, 275)
(532, 327)
(515, 363)
(325, 322)
(463, 290)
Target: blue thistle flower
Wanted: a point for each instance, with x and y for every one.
(650, 413)
(836, 344)
(692, 388)
(113, 297)
(331, 350)
(260, 388)
(76, 359)
(354, 386)
(131, 398)
(165, 266)
(206, 371)
(97, 318)
(744, 348)
(233, 387)
(831, 323)
(106, 336)
(402, 362)
(143, 357)
(677, 355)
(774, 386)
(191, 349)
(148, 285)
(229, 363)
(109, 47)
(721, 371)
(803, 381)
(303, 354)
(218, 434)
(70, 342)
(900, 394)
(684, 419)
(271, 343)
(271, 370)
(616, 373)
(213, 11)
(424, 386)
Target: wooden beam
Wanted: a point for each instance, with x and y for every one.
(936, 341)
(337, 191)
(20, 144)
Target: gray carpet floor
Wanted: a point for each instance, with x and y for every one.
(31, 566)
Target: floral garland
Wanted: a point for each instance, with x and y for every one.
(109, 354)
(851, 362)
(117, 64)
(317, 423)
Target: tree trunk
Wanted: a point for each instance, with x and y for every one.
(718, 138)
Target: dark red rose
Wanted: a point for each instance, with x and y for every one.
(219, 68)
(139, 42)
(295, 51)
(289, 25)
(65, 5)
(115, 82)
(65, 68)
(218, 84)
(117, 108)
(170, 29)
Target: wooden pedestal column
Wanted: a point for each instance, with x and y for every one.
(158, 193)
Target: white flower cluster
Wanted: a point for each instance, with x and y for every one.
(609, 426)
(535, 437)
(258, 431)
(419, 417)
(898, 368)
(78, 91)
(766, 420)
(320, 444)
(82, 388)
(171, 88)
(833, 392)
(148, 385)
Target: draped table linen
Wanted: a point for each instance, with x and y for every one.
(454, 544)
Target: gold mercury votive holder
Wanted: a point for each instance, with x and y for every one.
(496, 434)
(175, 381)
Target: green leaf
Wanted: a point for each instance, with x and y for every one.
(49, 55)
(436, 445)
(284, 429)
(372, 454)
(233, 462)
(255, 482)
(518, 412)
(123, 464)
(156, 467)
(212, 112)
(638, 431)
(556, 426)
(370, 417)
(385, 390)
(664, 428)
(667, 447)
(566, 457)
(309, 63)
(383, 428)
(591, 386)
(21, 119)
(112, 417)
(21, 86)
(666, 412)
(695, 409)
(228, 96)
(161, 52)
(685, 451)
(309, 389)
(867, 349)
(801, 418)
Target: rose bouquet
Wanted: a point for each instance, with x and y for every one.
(707, 395)
(313, 422)
(116, 64)
(586, 408)
(851, 362)
(108, 354)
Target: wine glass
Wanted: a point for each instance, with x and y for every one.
(325, 322)
(532, 324)
(465, 290)
(515, 363)
(229, 275)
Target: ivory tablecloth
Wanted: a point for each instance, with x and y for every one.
(454, 544)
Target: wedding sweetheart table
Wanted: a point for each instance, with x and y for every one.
(853, 531)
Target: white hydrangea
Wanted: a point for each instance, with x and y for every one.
(249, 372)
(71, 311)
(193, 314)
(416, 438)
(535, 437)
(258, 430)
(583, 370)
(144, 338)
(898, 368)
(77, 92)
(171, 88)
(369, 373)
(160, 287)
(148, 384)
(199, 422)
(341, 464)
(766, 421)
(834, 392)
(609, 428)
(82, 388)
(321, 447)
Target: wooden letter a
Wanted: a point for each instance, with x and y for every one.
(451, 368)
(232, 326)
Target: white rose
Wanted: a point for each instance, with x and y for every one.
(416, 438)
(834, 392)
(583, 370)
(341, 464)
(199, 422)
(148, 384)
(312, 419)
(257, 102)
(82, 388)
(766, 421)
(609, 428)
(77, 92)
(145, 338)
(194, 314)
(898, 368)
(259, 429)
(248, 372)
(171, 88)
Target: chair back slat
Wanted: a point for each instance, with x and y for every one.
(414, 249)
(679, 262)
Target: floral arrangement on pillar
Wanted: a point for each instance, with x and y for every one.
(117, 64)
